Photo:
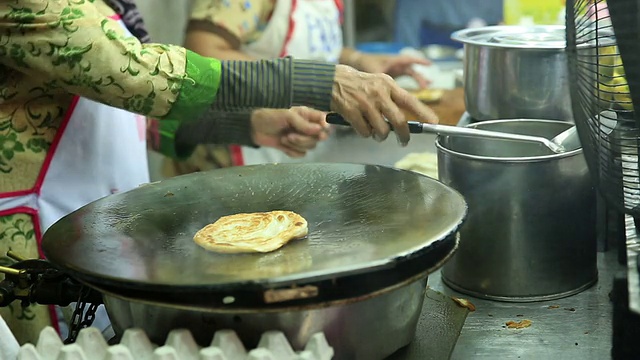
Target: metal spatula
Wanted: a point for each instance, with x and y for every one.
(556, 144)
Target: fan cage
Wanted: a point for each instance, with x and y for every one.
(602, 105)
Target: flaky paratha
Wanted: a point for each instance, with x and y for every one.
(252, 232)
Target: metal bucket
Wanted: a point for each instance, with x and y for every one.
(531, 228)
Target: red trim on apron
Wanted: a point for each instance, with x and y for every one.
(292, 26)
(153, 134)
(115, 17)
(54, 145)
(340, 6)
(236, 155)
(16, 193)
(18, 210)
(36, 190)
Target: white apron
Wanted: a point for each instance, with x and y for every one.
(304, 29)
(98, 150)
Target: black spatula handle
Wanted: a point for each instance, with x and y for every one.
(415, 127)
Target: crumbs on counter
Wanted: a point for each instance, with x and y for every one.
(464, 303)
(168, 194)
(570, 309)
(518, 324)
(554, 307)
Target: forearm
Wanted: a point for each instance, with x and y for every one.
(201, 43)
(178, 139)
(215, 127)
(231, 85)
(278, 83)
(229, 54)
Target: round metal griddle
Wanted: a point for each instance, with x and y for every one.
(362, 219)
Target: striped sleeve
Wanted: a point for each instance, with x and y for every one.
(312, 84)
(277, 84)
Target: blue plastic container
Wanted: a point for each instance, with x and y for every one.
(380, 47)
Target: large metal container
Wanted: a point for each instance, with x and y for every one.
(516, 72)
(531, 229)
(368, 328)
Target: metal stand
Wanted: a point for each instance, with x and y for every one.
(625, 296)
(626, 323)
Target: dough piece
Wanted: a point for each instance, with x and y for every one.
(422, 163)
(428, 95)
(252, 232)
(518, 324)
(464, 303)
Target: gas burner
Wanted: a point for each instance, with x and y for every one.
(39, 281)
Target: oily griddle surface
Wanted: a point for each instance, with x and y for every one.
(361, 218)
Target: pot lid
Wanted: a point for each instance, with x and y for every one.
(362, 218)
(549, 37)
(530, 37)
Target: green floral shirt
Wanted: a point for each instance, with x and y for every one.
(50, 50)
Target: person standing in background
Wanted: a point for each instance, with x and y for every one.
(441, 17)
(263, 29)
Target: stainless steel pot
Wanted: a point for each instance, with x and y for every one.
(370, 327)
(516, 72)
(530, 233)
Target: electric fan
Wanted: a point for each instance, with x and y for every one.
(603, 51)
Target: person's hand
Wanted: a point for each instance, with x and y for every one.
(293, 131)
(393, 65)
(365, 100)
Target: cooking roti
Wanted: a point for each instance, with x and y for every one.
(252, 232)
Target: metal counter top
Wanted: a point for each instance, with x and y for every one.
(438, 329)
(553, 333)
(577, 327)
